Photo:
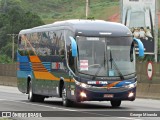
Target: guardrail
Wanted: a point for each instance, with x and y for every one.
(146, 88)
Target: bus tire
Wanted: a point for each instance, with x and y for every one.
(33, 97)
(116, 103)
(65, 100)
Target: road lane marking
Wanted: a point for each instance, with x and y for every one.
(42, 105)
(102, 115)
(129, 118)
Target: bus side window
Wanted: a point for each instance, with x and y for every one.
(61, 50)
(70, 58)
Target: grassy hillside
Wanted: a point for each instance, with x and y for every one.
(53, 10)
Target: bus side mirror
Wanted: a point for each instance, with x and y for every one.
(131, 52)
(140, 46)
(73, 46)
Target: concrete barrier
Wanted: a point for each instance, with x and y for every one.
(142, 89)
(8, 70)
(8, 81)
(145, 89)
(154, 91)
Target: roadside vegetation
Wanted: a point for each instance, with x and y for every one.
(13, 18)
(53, 10)
(16, 15)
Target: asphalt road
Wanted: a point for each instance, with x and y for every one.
(11, 100)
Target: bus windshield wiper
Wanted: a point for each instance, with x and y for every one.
(99, 69)
(115, 65)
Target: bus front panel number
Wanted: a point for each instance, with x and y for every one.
(108, 95)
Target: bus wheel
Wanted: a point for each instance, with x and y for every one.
(33, 97)
(116, 103)
(65, 100)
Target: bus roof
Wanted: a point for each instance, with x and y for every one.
(85, 27)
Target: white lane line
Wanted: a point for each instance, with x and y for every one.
(129, 118)
(103, 115)
(41, 105)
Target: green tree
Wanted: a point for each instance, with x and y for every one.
(13, 19)
(5, 59)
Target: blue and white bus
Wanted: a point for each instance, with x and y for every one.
(78, 60)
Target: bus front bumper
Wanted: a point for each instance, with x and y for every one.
(83, 94)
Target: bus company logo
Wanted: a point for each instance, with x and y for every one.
(102, 82)
(91, 82)
(97, 82)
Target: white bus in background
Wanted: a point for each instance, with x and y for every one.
(139, 16)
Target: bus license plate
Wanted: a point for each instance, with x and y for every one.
(108, 95)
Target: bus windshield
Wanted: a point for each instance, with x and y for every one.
(139, 21)
(102, 56)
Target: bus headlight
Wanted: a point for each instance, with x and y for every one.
(131, 85)
(131, 94)
(83, 85)
(83, 94)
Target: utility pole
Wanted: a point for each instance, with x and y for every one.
(13, 36)
(5, 6)
(87, 8)
(156, 30)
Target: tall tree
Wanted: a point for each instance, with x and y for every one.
(13, 20)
